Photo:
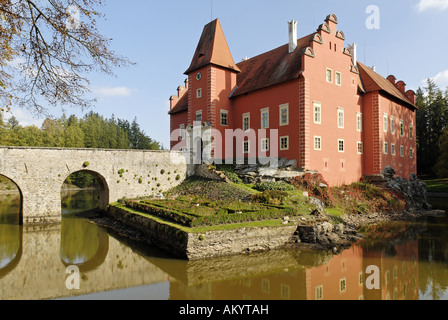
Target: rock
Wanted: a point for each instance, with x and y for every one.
(320, 205)
(414, 190)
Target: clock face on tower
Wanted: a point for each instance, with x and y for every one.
(198, 76)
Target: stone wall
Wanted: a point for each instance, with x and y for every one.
(194, 246)
(40, 173)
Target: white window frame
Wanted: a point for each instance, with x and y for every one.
(336, 80)
(317, 140)
(264, 145)
(281, 144)
(247, 142)
(329, 79)
(385, 122)
(222, 113)
(401, 128)
(360, 147)
(198, 113)
(281, 109)
(263, 112)
(317, 111)
(411, 131)
(392, 125)
(199, 93)
(411, 153)
(386, 148)
(359, 121)
(182, 132)
(339, 145)
(392, 149)
(246, 116)
(402, 151)
(341, 112)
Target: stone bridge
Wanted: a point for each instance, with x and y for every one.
(39, 174)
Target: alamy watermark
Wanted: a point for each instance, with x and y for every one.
(73, 280)
(373, 21)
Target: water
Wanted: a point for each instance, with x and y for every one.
(34, 261)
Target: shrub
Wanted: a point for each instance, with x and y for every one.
(277, 186)
(270, 196)
(316, 185)
(86, 164)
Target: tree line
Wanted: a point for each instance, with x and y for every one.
(91, 131)
(432, 130)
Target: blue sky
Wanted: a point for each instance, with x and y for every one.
(161, 37)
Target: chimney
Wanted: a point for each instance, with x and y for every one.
(354, 50)
(392, 79)
(401, 86)
(180, 91)
(173, 101)
(186, 83)
(292, 36)
(411, 95)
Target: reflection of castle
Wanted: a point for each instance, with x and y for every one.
(341, 278)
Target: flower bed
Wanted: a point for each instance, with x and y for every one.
(195, 212)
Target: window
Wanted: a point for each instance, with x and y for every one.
(329, 75)
(284, 115)
(199, 116)
(386, 148)
(264, 145)
(199, 93)
(319, 293)
(342, 285)
(340, 118)
(265, 118)
(317, 143)
(360, 148)
(246, 122)
(265, 285)
(359, 122)
(224, 118)
(401, 151)
(182, 132)
(411, 153)
(284, 143)
(341, 145)
(385, 122)
(246, 147)
(401, 128)
(411, 131)
(338, 78)
(317, 113)
(392, 125)
(392, 149)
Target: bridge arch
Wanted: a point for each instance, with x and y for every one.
(103, 190)
(20, 213)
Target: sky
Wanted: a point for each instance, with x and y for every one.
(406, 38)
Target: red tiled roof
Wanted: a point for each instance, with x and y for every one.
(181, 106)
(372, 81)
(212, 49)
(271, 68)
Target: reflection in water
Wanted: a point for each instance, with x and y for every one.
(10, 206)
(411, 266)
(78, 201)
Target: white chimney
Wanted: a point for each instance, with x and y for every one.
(354, 49)
(292, 36)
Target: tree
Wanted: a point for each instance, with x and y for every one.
(442, 163)
(432, 118)
(56, 43)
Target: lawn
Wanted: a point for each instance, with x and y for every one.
(437, 185)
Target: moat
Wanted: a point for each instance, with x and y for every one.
(34, 260)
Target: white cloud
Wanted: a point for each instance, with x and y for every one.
(25, 119)
(424, 5)
(114, 92)
(441, 79)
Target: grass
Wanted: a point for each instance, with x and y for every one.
(437, 185)
(200, 205)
